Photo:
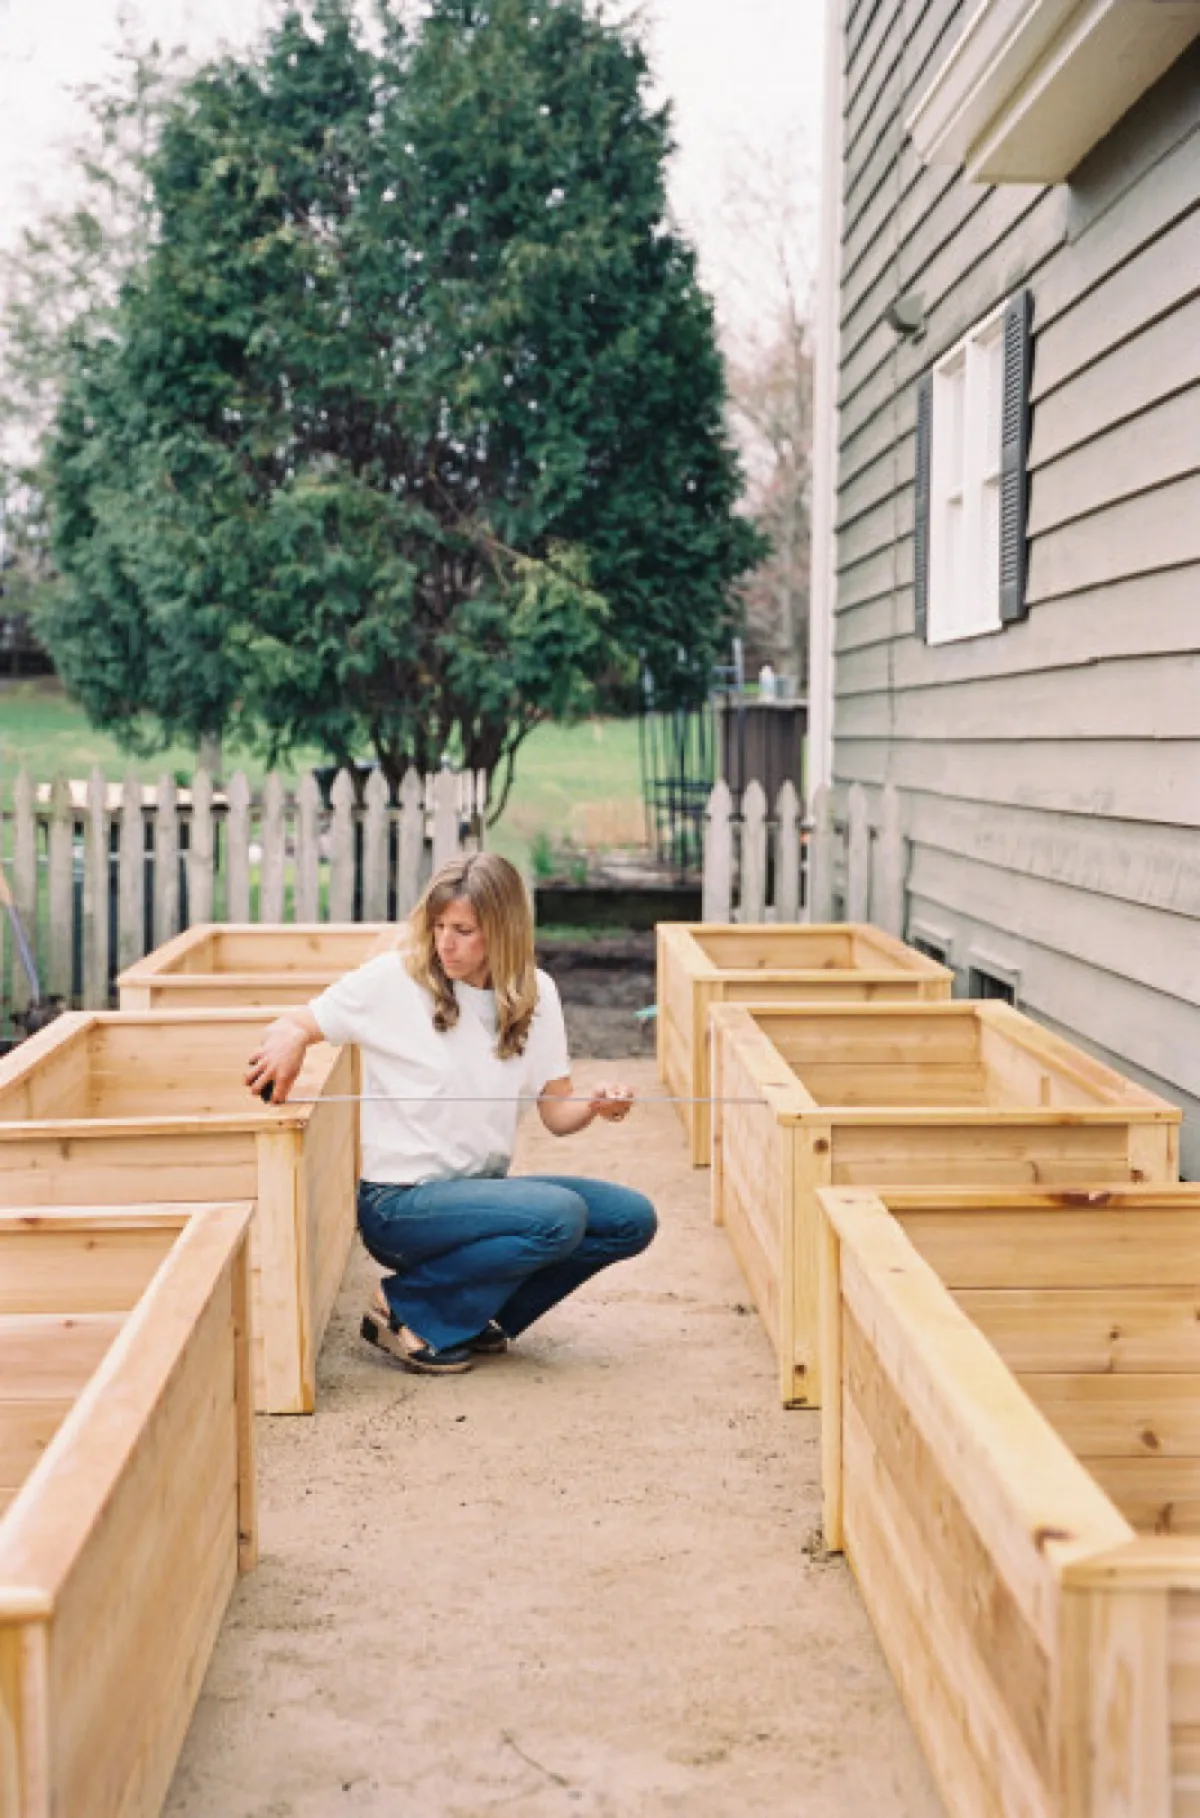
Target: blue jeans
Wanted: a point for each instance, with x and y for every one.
(462, 1252)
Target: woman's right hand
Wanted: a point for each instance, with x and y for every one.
(280, 1054)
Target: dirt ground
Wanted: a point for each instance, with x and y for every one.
(580, 1582)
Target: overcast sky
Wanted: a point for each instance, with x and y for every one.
(744, 77)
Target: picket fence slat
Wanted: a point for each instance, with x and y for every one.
(100, 870)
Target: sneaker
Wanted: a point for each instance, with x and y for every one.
(411, 1351)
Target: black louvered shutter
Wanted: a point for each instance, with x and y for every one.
(921, 521)
(1014, 456)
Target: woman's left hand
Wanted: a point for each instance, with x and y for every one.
(611, 1102)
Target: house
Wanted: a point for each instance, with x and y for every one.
(1006, 605)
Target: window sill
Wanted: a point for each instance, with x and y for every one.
(1032, 85)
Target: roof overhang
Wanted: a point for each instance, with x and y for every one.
(1032, 85)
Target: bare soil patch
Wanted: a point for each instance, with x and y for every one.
(582, 1582)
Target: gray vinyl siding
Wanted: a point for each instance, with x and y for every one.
(1050, 772)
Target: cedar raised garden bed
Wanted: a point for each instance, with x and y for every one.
(1022, 1509)
(938, 1094)
(117, 1108)
(212, 966)
(127, 1490)
(701, 964)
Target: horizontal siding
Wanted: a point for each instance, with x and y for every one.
(1050, 772)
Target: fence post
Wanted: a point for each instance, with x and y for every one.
(200, 863)
(411, 843)
(858, 883)
(59, 967)
(131, 924)
(752, 896)
(24, 885)
(166, 861)
(718, 856)
(375, 849)
(97, 882)
(891, 854)
(237, 851)
(822, 854)
(308, 851)
(271, 839)
(787, 854)
(445, 818)
(341, 849)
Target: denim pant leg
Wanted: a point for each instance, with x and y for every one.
(620, 1223)
(460, 1248)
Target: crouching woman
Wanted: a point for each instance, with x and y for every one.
(456, 1028)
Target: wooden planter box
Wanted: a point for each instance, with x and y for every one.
(215, 966)
(701, 964)
(970, 1093)
(117, 1108)
(1022, 1510)
(126, 1490)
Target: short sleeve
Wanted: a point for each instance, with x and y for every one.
(346, 1009)
(547, 1056)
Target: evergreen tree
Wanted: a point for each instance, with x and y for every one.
(408, 429)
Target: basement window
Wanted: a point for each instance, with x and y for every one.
(992, 987)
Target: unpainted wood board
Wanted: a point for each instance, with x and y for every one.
(922, 1083)
(1157, 364)
(331, 948)
(1098, 1329)
(26, 1428)
(999, 1155)
(104, 1271)
(1107, 1249)
(956, 1710)
(886, 1035)
(1120, 1416)
(330, 1162)
(118, 1171)
(1155, 1495)
(1117, 779)
(772, 949)
(50, 1356)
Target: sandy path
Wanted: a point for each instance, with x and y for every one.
(571, 1583)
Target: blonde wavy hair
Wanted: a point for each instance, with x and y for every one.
(496, 893)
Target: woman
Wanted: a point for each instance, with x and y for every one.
(455, 1027)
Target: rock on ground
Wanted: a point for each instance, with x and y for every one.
(580, 1582)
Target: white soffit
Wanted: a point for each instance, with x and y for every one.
(1032, 85)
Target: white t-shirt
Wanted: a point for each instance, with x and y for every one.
(464, 1118)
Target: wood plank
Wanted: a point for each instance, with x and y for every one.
(1155, 1495)
(105, 1271)
(980, 1767)
(1130, 1416)
(1002, 1155)
(1129, 1330)
(52, 1355)
(1111, 1249)
(1156, 530)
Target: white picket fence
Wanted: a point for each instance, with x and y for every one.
(102, 872)
(847, 861)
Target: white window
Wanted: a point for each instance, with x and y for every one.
(964, 486)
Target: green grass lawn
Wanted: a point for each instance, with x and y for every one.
(578, 783)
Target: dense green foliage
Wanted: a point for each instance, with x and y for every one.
(408, 429)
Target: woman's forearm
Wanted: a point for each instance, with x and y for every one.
(280, 1054)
